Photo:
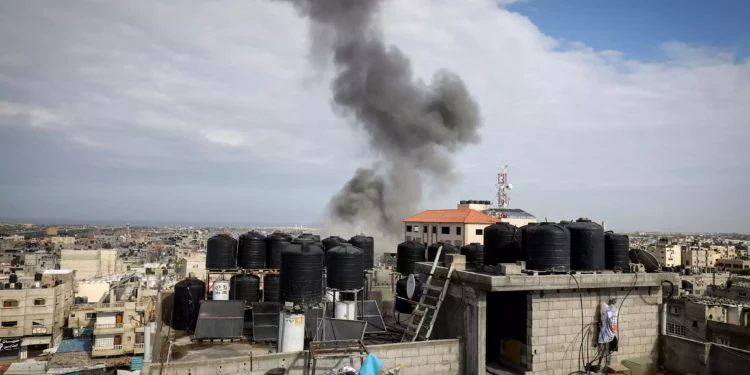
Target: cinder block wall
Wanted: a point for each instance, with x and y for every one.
(439, 357)
(554, 327)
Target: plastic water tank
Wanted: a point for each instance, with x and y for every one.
(302, 274)
(275, 243)
(291, 332)
(502, 244)
(548, 248)
(345, 267)
(433, 249)
(367, 245)
(407, 255)
(187, 296)
(252, 251)
(474, 253)
(221, 290)
(221, 252)
(245, 288)
(616, 249)
(586, 245)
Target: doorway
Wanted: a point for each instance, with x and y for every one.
(118, 340)
(118, 319)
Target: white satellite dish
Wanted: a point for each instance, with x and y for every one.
(510, 186)
(411, 286)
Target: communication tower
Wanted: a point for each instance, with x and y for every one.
(503, 187)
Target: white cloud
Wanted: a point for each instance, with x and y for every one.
(181, 80)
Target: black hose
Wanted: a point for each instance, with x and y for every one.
(671, 291)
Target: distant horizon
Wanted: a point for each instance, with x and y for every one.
(228, 224)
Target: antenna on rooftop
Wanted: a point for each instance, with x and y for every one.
(503, 187)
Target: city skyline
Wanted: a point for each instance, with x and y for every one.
(108, 113)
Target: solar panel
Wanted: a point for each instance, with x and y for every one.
(220, 320)
(266, 321)
(340, 329)
(313, 317)
(371, 315)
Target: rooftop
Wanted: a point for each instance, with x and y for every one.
(465, 216)
(510, 213)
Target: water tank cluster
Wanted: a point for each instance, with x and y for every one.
(187, 296)
(253, 250)
(579, 245)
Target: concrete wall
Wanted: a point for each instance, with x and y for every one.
(438, 357)
(687, 356)
(554, 326)
(89, 263)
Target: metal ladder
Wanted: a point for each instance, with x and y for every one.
(420, 314)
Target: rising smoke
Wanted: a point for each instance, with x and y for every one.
(413, 127)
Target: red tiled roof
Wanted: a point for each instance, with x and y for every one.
(451, 216)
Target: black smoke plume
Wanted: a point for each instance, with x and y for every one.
(413, 127)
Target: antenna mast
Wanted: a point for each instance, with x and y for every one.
(503, 187)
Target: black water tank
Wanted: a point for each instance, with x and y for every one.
(586, 245)
(251, 254)
(19, 285)
(345, 267)
(302, 274)
(271, 289)
(367, 245)
(221, 252)
(523, 236)
(38, 276)
(433, 249)
(187, 296)
(474, 253)
(402, 306)
(13, 278)
(616, 249)
(274, 245)
(244, 288)
(548, 248)
(502, 244)
(331, 242)
(407, 255)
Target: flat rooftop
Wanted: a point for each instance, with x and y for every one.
(507, 283)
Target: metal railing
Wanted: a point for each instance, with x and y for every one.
(111, 305)
(138, 346)
(105, 326)
(106, 348)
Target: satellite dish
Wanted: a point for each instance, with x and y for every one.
(650, 263)
(510, 186)
(411, 286)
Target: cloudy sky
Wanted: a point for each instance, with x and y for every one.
(637, 113)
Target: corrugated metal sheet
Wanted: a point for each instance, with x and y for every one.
(220, 320)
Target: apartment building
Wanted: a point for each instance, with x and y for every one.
(32, 318)
(90, 263)
(455, 226)
(735, 264)
(116, 325)
(191, 263)
(668, 255)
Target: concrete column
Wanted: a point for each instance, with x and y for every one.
(475, 323)
(23, 353)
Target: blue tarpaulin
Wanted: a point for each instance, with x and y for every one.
(74, 345)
